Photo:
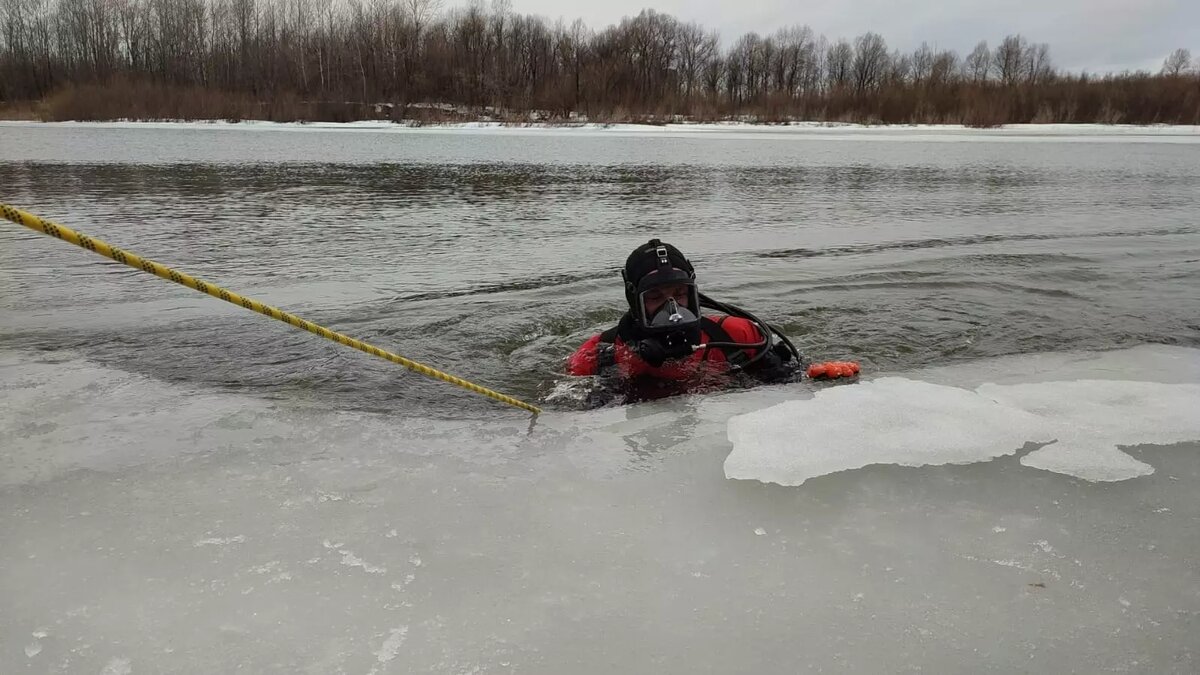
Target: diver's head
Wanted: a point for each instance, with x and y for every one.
(660, 286)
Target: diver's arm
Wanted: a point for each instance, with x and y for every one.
(584, 361)
(777, 365)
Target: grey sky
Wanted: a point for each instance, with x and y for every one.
(1096, 35)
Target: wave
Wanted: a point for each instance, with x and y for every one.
(971, 240)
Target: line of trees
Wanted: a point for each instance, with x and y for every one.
(367, 58)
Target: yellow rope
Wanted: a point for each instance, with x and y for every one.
(96, 246)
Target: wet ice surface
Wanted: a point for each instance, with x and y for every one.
(912, 423)
(154, 527)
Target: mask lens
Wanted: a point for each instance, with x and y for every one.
(658, 304)
(672, 314)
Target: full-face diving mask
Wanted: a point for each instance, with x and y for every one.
(669, 328)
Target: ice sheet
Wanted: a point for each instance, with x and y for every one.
(1091, 417)
(888, 421)
(914, 423)
(156, 526)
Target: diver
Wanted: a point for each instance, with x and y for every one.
(664, 345)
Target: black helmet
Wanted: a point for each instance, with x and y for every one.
(673, 328)
(653, 264)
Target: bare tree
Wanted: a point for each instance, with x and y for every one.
(1177, 63)
(839, 58)
(922, 64)
(696, 50)
(978, 63)
(898, 70)
(740, 72)
(1008, 59)
(711, 75)
(942, 71)
(794, 55)
(1036, 63)
(870, 61)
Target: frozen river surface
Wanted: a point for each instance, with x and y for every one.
(189, 488)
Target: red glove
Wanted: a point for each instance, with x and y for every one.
(833, 369)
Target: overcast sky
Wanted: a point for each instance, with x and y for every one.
(1093, 35)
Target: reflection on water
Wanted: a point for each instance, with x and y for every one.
(493, 258)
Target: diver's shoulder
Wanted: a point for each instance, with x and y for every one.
(740, 329)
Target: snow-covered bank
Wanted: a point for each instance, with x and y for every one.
(1159, 133)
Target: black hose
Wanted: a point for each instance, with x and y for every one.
(767, 331)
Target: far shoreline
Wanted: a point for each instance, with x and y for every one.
(698, 128)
